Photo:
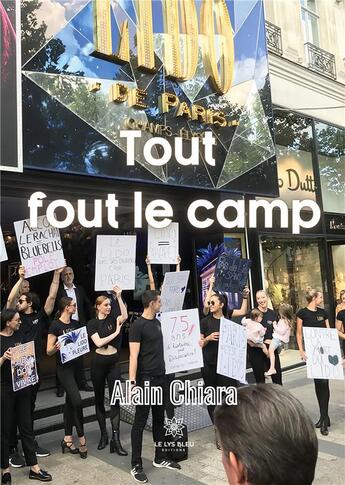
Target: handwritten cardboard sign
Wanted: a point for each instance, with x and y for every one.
(23, 366)
(40, 248)
(3, 252)
(163, 244)
(231, 273)
(232, 350)
(323, 353)
(115, 262)
(181, 335)
(74, 344)
(174, 290)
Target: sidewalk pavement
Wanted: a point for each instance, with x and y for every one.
(204, 464)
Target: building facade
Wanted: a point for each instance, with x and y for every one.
(72, 148)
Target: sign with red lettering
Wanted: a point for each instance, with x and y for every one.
(181, 335)
(40, 248)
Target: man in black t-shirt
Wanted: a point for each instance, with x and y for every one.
(34, 321)
(147, 367)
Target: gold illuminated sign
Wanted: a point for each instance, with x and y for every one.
(180, 25)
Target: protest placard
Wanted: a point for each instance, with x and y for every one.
(163, 244)
(74, 344)
(231, 273)
(115, 262)
(3, 252)
(23, 366)
(323, 353)
(40, 248)
(174, 290)
(181, 335)
(232, 350)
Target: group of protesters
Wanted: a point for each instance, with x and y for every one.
(24, 320)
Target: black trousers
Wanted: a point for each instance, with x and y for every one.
(16, 407)
(33, 396)
(260, 364)
(322, 394)
(140, 419)
(212, 379)
(73, 410)
(81, 378)
(105, 369)
(169, 407)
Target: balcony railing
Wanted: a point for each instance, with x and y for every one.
(274, 38)
(321, 61)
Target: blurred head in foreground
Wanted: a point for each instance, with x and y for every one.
(267, 439)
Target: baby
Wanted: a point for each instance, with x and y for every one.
(254, 330)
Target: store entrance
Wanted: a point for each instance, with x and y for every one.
(291, 267)
(337, 258)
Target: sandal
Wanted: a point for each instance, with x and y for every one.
(83, 449)
(68, 445)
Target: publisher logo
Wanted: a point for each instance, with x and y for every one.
(173, 427)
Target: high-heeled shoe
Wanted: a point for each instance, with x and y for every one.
(319, 423)
(115, 444)
(68, 445)
(83, 450)
(103, 441)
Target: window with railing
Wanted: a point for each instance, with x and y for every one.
(274, 38)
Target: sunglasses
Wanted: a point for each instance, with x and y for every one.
(211, 303)
(73, 304)
(21, 301)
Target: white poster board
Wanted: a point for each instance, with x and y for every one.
(323, 353)
(181, 335)
(232, 350)
(74, 344)
(163, 244)
(23, 366)
(173, 290)
(40, 248)
(115, 262)
(3, 252)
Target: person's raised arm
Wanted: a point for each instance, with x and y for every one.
(244, 307)
(178, 263)
(206, 307)
(123, 309)
(14, 293)
(299, 338)
(150, 274)
(50, 301)
(53, 345)
(134, 349)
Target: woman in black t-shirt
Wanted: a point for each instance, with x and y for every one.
(68, 376)
(314, 316)
(15, 404)
(209, 329)
(104, 331)
(258, 360)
